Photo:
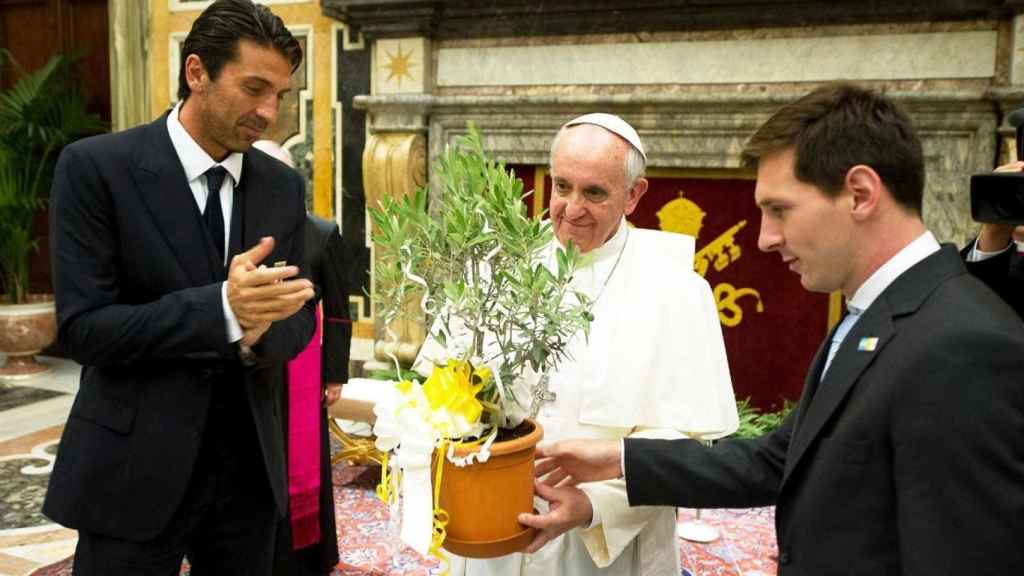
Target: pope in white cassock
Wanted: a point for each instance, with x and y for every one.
(654, 364)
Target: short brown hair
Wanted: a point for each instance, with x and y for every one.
(839, 126)
(215, 34)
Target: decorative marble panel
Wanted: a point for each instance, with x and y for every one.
(176, 39)
(401, 66)
(352, 75)
(1017, 54)
(960, 138)
(964, 54)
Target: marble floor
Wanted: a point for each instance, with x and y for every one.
(32, 415)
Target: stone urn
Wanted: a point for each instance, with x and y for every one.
(25, 329)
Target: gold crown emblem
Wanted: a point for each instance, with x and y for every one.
(682, 216)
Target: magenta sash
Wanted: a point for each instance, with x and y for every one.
(304, 394)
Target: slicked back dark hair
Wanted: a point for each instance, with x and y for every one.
(839, 126)
(215, 34)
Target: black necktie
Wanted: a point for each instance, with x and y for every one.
(213, 215)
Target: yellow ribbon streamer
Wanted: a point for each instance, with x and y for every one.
(384, 486)
(440, 514)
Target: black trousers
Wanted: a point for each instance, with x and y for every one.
(226, 522)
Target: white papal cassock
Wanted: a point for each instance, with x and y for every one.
(654, 365)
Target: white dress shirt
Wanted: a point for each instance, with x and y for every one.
(196, 162)
(922, 247)
(977, 255)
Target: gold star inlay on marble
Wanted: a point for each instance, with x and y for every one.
(399, 65)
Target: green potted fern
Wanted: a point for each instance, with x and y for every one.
(39, 115)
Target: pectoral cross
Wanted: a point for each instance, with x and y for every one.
(541, 395)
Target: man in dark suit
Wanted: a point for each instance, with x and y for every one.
(173, 445)
(904, 455)
(996, 256)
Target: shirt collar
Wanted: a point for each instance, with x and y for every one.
(923, 246)
(193, 158)
(612, 247)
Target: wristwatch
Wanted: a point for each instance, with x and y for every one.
(247, 357)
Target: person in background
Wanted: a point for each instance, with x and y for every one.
(996, 256)
(307, 539)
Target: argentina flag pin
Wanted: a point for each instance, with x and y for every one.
(867, 344)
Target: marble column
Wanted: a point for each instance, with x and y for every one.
(129, 56)
(395, 164)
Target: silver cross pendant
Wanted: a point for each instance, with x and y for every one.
(541, 395)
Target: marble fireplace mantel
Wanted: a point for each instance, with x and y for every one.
(959, 131)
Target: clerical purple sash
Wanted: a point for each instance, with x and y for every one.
(304, 393)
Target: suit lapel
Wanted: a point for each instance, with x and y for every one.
(257, 193)
(903, 297)
(237, 226)
(813, 378)
(844, 372)
(164, 191)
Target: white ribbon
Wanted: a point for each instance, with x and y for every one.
(481, 455)
(402, 427)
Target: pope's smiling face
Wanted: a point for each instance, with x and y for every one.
(591, 195)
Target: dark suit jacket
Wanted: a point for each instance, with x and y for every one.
(906, 459)
(138, 294)
(1004, 274)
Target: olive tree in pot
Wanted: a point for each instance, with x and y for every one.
(496, 289)
(39, 115)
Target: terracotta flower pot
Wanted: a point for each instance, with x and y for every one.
(25, 329)
(484, 500)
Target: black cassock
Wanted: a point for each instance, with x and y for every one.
(325, 263)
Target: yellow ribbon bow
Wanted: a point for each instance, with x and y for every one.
(454, 388)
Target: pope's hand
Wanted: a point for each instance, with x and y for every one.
(996, 237)
(569, 507)
(259, 295)
(569, 462)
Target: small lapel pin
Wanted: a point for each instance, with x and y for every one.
(867, 344)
